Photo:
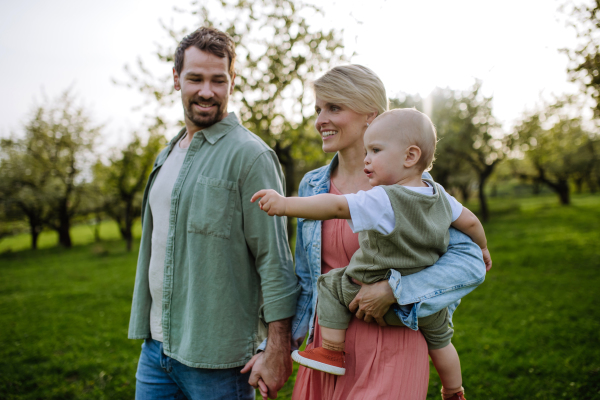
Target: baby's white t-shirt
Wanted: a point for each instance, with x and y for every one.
(372, 209)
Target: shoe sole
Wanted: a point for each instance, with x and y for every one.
(319, 366)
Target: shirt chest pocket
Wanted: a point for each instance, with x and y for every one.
(212, 207)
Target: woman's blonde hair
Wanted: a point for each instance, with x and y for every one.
(354, 86)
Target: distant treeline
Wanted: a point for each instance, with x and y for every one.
(52, 173)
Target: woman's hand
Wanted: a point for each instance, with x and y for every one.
(373, 301)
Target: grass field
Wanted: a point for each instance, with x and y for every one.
(531, 331)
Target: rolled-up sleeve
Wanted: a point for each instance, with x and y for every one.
(267, 240)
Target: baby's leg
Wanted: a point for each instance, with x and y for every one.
(437, 333)
(334, 317)
(332, 310)
(447, 365)
(333, 339)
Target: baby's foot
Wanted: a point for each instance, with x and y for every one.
(332, 362)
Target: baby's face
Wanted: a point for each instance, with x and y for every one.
(385, 154)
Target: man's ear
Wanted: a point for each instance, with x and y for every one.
(412, 156)
(176, 83)
(232, 84)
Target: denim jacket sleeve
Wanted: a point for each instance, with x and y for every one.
(304, 312)
(457, 273)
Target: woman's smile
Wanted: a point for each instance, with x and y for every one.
(326, 134)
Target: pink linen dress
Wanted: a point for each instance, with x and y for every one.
(381, 363)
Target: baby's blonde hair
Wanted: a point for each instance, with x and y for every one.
(354, 86)
(415, 128)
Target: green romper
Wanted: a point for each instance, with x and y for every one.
(419, 238)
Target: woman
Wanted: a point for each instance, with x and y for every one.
(381, 362)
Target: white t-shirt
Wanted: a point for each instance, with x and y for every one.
(160, 206)
(372, 209)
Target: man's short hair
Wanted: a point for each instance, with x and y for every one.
(210, 40)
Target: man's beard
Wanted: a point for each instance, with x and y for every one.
(202, 119)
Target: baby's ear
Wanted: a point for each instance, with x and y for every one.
(412, 156)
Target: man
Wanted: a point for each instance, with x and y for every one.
(213, 269)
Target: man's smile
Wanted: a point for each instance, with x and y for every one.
(204, 106)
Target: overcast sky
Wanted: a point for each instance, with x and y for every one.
(512, 45)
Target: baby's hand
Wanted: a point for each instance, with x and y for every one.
(271, 202)
(487, 259)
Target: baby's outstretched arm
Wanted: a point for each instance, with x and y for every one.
(319, 207)
(468, 223)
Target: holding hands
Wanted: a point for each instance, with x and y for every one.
(270, 202)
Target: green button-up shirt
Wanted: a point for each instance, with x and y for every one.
(228, 266)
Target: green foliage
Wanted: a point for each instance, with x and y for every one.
(43, 172)
(278, 52)
(556, 146)
(584, 65)
(530, 331)
(121, 182)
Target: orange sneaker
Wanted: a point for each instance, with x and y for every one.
(456, 396)
(332, 362)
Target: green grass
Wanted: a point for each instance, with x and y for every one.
(531, 331)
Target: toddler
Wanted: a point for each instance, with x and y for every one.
(403, 225)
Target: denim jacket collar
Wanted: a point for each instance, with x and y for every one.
(320, 180)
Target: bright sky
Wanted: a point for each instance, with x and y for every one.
(512, 45)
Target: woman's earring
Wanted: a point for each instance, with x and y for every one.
(367, 124)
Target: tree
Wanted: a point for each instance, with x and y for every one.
(470, 144)
(278, 52)
(23, 183)
(121, 182)
(553, 140)
(49, 163)
(584, 65)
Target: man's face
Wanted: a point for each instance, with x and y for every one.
(205, 86)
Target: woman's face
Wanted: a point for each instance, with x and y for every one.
(339, 126)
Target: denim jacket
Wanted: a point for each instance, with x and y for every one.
(457, 272)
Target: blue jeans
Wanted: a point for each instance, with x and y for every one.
(161, 377)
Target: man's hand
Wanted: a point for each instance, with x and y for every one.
(257, 361)
(487, 259)
(272, 368)
(373, 301)
(270, 202)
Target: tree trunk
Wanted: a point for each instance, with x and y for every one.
(128, 223)
(483, 176)
(562, 188)
(35, 229)
(64, 236)
(464, 192)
